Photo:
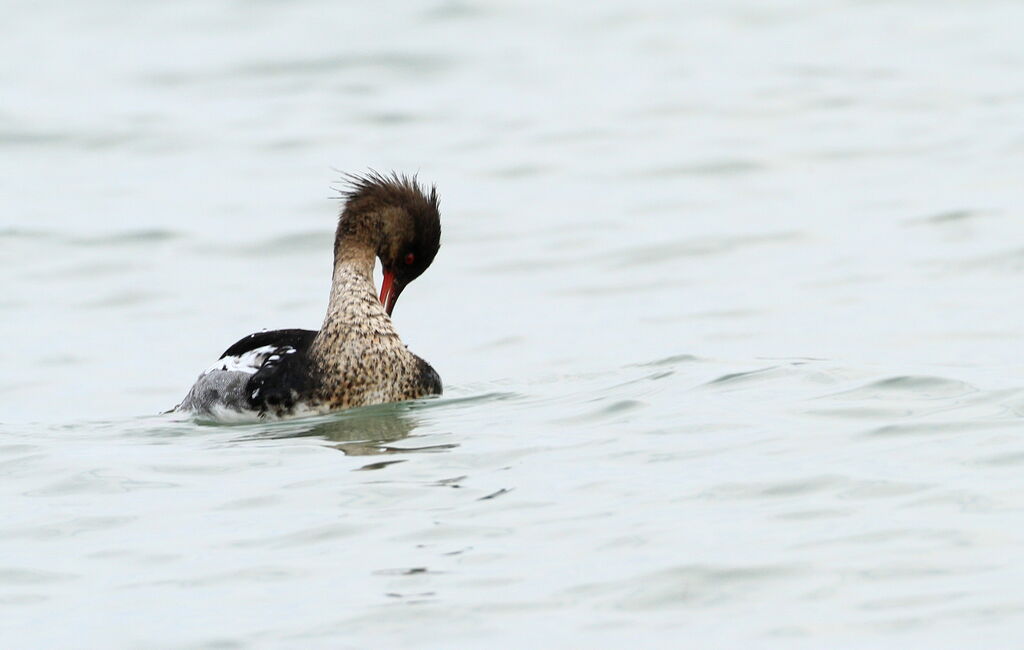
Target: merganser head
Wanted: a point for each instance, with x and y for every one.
(398, 219)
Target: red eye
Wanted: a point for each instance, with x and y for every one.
(409, 259)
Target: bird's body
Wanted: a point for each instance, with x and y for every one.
(357, 357)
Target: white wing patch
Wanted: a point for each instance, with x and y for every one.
(251, 361)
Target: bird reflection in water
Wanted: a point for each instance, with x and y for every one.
(368, 431)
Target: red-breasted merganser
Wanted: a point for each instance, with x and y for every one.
(356, 358)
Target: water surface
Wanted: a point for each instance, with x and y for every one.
(727, 309)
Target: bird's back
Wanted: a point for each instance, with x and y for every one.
(259, 372)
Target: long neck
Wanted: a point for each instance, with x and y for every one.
(357, 335)
(355, 318)
(353, 293)
(355, 250)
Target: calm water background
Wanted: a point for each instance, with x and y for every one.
(728, 310)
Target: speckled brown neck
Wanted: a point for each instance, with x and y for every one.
(358, 355)
(351, 260)
(353, 311)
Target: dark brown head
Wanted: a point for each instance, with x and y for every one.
(398, 219)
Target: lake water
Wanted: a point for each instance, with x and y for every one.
(728, 311)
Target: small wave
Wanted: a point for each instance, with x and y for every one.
(693, 584)
(1011, 260)
(743, 377)
(673, 360)
(809, 485)
(933, 428)
(399, 62)
(608, 411)
(919, 386)
(146, 235)
(949, 216)
(470, 400)
(29, 138)
(300, 242)
(706, 168)
(127, 298)
(24, 233)
(658, 253)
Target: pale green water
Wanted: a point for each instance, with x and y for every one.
(727, 308)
